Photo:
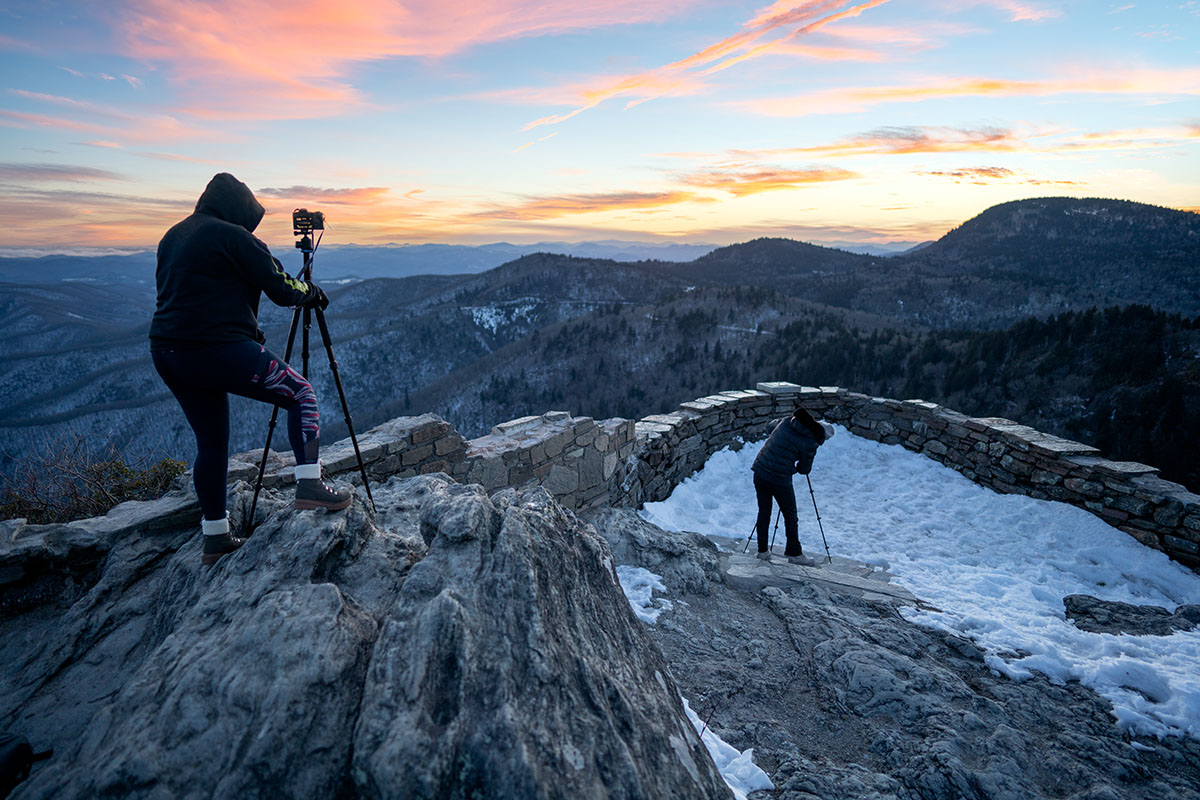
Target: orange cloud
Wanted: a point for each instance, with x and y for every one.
(311, 194)
(847, 99)
(981, 176)
(685, 75)
(747, 182)
(567, 205)
(292, 60)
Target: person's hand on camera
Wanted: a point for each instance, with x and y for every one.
(318, 299)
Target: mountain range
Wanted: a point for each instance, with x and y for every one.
(994, 318)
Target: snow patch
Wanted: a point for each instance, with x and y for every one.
(738, 769)
(997, 566)
(639, 585)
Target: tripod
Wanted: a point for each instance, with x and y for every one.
(307, 247)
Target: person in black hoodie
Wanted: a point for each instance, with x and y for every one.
(205, 343)
(788, 450)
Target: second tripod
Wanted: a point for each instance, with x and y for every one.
(304, 223)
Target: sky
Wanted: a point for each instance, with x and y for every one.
(706, 121)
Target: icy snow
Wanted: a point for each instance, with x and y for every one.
(995, 567)
(639, 585)
(737, 768)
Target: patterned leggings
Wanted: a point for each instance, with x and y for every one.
(202, 379)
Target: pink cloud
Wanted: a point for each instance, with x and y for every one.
(764, 179)
(100, 119)
(981, 176)
(294, 59)
(1021, 11)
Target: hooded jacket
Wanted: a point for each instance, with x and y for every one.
(212, 271)
(788, 450)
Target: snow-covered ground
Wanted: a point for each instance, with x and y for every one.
(996, 566)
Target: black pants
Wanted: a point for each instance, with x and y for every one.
(202, 379)
(785, 495)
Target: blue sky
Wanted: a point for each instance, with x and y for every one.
(690, 120)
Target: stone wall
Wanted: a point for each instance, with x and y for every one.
(584, 463)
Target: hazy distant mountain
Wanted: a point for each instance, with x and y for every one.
(341, 262)
(885, 250)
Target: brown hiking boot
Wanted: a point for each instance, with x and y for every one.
(314, 493)
(217, 546)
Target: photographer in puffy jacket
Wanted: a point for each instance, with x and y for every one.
(205, 343)
(788, 450)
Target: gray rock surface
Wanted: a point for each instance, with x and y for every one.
(840, 697)
(1107, 616)
(452, 646)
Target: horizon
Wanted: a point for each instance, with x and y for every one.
(523, 121)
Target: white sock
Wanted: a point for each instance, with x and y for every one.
(308, 471)
(215, 527)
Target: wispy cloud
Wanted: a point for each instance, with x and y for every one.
(100, 119)
(916, 140)
(1106, 81)
(755, 181)
(984, 175)
(535, 141)
(1021, 11)
(785, 21)
(307, 194)
(292, 60)
(554, 206)
(880, 141)
(54, 173)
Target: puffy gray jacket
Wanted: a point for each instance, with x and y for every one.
(789, 449)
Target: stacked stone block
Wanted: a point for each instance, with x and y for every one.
(578, 460)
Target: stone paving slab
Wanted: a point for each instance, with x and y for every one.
(845, 575)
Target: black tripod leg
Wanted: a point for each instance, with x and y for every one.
(337, 380)
(304, 343)
(828, 557)
(777, 513)
(262, 465)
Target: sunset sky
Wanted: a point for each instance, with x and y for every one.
(541, 120)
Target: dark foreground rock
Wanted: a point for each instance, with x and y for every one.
(841, 698)
(455, 646)
(1106, 616)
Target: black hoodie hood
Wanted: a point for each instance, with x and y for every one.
(229, 199)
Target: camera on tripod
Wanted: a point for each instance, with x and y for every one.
(305, 222)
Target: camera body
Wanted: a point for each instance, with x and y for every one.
(305, 222)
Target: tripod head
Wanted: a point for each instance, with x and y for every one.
(304, 222)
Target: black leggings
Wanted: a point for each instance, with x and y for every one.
(785, 495)
(201, 380)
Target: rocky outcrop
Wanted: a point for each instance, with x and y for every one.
(1107, 616)
(454, 645)
(842, 699)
